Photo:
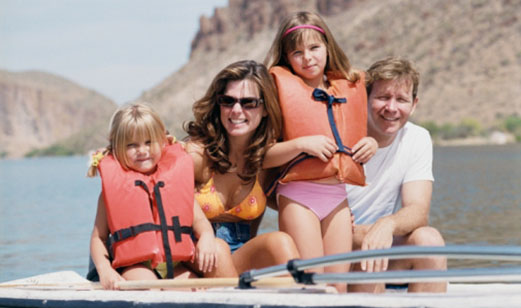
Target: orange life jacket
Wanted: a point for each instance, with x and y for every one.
(307, 111)
(150, 216)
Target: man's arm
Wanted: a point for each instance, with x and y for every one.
(414, 213)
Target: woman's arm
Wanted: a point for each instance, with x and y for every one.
(205, 250)
(98, 249)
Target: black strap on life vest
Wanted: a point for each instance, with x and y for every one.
(176, 227)
(273, 185)
(322, 96)
(123, 234)
(164, 230)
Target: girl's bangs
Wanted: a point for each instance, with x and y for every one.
(143, 129)
(299, 37)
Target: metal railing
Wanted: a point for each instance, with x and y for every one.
(297, 267)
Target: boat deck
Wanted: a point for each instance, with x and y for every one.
(68, 289)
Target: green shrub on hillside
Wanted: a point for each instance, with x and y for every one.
(512, 124)
(54, 150)
(432, 128)
(468, 127)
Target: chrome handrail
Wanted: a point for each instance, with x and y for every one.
(505, 253)
(489, 274)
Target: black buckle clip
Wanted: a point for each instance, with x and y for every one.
(298, 275)
(245, 280)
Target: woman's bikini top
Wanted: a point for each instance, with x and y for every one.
(248, 209)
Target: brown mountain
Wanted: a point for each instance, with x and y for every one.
(38, 109)
(468, 52)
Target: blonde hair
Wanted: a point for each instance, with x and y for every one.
(393, 69)
(286, 42)
(130, 122)
(208, 130)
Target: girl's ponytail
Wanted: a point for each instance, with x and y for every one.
(95, 158)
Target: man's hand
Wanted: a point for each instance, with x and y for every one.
(379, 236)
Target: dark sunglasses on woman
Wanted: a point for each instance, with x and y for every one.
(227, 101)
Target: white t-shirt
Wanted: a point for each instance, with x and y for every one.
(408, 158)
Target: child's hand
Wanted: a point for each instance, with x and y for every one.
(205, 252)
(364, 149)
(109, 278)
(319, 146)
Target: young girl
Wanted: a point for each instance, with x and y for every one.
(147, 206)
(323, 102)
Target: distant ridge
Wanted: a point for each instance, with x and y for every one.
(38, 109)
(468, 53)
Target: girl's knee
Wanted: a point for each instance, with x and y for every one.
(278, 238)
(426, 236)
(282, 243)
(222, 248)
(138, 272)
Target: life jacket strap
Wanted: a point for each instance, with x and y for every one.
(123, 234)
(322, 96)
(273, 185)
(164, 230)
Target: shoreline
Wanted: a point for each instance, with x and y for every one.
(495, 138)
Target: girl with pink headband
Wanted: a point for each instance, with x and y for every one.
(324, 108)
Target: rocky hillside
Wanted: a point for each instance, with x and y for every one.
(39, 109)
(469, 52)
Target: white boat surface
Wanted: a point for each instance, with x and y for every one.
(69, 289)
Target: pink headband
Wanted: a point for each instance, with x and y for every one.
(303, 27)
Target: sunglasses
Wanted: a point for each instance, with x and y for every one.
(245, 102)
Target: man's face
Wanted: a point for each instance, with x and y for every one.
(390, 105)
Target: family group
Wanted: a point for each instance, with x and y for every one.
(330, 148)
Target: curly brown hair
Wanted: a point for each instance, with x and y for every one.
(207, 129)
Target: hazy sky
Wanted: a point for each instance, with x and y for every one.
(116, 47)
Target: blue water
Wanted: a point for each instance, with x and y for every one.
(47, 206)
(47, 209)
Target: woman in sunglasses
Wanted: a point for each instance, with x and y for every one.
(235, 122)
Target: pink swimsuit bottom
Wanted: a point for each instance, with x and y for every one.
(321, 199)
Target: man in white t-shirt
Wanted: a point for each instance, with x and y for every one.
(393, 209)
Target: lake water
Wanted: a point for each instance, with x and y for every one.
(47, 207)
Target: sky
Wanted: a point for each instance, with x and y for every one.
(118, 48)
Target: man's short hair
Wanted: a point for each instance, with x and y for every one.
(393, 69)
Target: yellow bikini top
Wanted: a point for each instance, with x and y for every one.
(250, 208)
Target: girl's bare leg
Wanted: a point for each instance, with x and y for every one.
(264, 250)
(303, 226)
(337, 238)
